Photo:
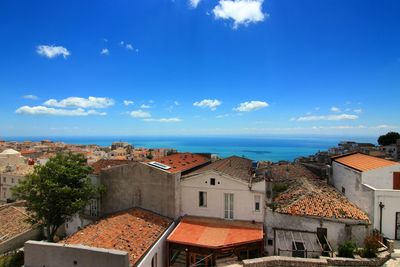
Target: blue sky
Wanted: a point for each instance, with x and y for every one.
(208, 67)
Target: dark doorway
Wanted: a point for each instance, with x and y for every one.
(298, 249)
(396, 181)
(322, 234)
(397, 225)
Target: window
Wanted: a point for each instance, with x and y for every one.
(257, 200)
(270, 242)
(228, 203)
(12, 180)
(202, 199)
(212, 181)
(154, 261)
(343, 190)
(4, 179)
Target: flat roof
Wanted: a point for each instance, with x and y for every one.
(362, 162)
(215, 233)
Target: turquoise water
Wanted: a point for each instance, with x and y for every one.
(256, 148)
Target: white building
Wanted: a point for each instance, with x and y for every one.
(374, 185)
(227, 189)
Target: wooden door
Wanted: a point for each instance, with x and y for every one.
(396, 180)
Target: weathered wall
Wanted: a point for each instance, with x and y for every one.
(356, 192)
(39, 254)
(337, 232)
(158, 250)
(243, 203)
(19, 240)
(140, 185)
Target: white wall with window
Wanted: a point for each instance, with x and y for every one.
(212, 194)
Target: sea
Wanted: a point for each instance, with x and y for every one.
(271, 148)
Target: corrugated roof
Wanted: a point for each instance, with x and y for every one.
(133, 231)
(362, 162)
(215, 233)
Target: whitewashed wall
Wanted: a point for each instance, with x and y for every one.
(381, 178)
(244, 207)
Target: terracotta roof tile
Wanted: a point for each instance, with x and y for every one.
(363, 162)
(13, 221)
(180, 162)
(308, 196)
(234, 166)
(215, 233)
(107, 163)
(133, 231)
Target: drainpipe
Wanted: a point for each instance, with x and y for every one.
(381, 206)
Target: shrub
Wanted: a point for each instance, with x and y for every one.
(347, 249)
(15, 259)
(371, 245)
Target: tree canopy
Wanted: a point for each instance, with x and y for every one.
(388, 139)
(56, 191)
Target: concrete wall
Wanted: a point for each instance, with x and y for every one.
(391, 200)
(44, 254)
(18, 241)
(337, 232)
(243, 202)
(140, 185)
(356, 192)
(381, 178)
(159, 250)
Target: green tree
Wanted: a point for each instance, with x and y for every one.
(56, 191)
(388, 139)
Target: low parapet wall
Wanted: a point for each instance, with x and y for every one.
(281, 261)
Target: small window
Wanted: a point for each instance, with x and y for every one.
(343, 190)
(257, 200)
(12, 180)
(4, 179)
(154, 261)
(270, 242)
(212, 181)
(202, 199)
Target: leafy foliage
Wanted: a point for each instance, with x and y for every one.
(15, 259)
(346, 249)
(56, 191)
(388, 139)
(371, 246)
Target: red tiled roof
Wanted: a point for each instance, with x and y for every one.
(133, 231)
(363, 162)
(215, 233)
(180, 162)
(107, 163)
(308, 196)
(13, 221)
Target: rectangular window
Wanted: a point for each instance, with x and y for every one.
(4, 179)
(228, 203)
(257, 203)
(12, 180)
(154, 261)
(212, 181)
(202, 199)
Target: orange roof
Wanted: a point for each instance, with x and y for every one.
(215, 233)
(133, 231)
(363, 162)
(180, 162)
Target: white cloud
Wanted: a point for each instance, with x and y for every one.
(335, 109)
(166, 120)
(105, 51)
(339, 117)
(140, 114)
(129, 46)
(208, 103)
(251, 106)
(194, 3)
(128, 102)
(145, 106)
(176, 103)
(358, 111)
(32, 97)
(240, 11)
(80, 102)
(42, 110)
(52, 51)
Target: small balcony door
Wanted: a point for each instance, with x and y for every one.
(228, 204)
